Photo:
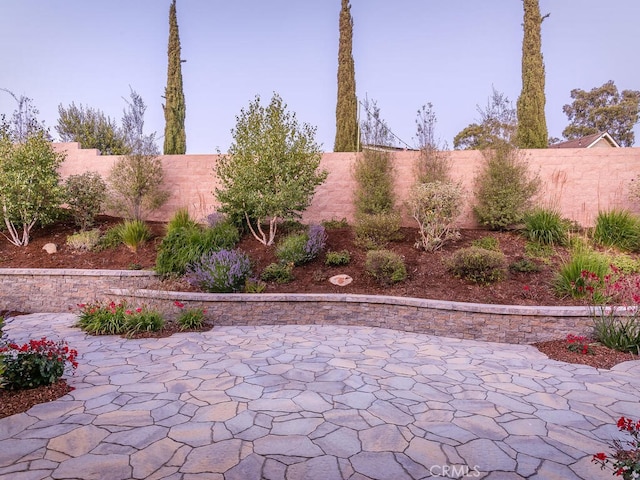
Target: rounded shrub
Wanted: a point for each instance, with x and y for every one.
(385, 266)
(300, 248)
(336, 259)
(375, 231)
(277, 272)
(85, 195)
(224, 271)
(478, 265)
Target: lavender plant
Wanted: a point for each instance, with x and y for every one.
(224, 271)
(300, 248)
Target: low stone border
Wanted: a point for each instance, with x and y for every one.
(60, 290)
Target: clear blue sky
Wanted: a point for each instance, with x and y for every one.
(407, 53)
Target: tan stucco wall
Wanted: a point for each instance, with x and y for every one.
(579, 182)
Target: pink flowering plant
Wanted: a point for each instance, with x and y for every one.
(190, 318)
(625, 459)
(35, 363)
(110, 318)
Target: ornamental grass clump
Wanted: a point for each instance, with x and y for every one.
(36, 363)
(190, 318)
(478, 265)
(118, 319)
(619, 229)
(582, 274)
(134, 233)
(224, 271)
(545, 226)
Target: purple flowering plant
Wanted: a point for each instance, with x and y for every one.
(224, 271)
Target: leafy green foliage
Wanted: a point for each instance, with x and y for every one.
(301, 248)
(36, 363)
(278, 272)
(619, 229)
(478, 265)
(433, 164)
(504, 188)
(435, 206)
(91, 128)
(335, 223)
(134, 233)
(182, 246)
(532, 124)
(84, 241)
(336, 259)
(373, 172)
(385, 266)
(30, 190)
(271, 170)
(524, 265)
(603, 109)
(375, 231)
(85, 194)
(111, 238)
(175, 138)
(191, 318)
(545, 226)
(117, 319)
(487, 242)
(136, 185)
(570, 279)
(347, 104)
(625, 264)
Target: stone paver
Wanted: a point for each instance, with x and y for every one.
(313, 402)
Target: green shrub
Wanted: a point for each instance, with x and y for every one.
(619, 229)
(254, 285)
(85, 194)
(435, 206)
(376, 231)
(478, 265)
(334, 223)
(142, 320)
(373, 173)
(488, 243)
(278, 272)
(36, 363)
(336, 259)
(570, 279)
(504, 188)
(223, 271)
(621, 334)
(546, 227)
(301, 248)
(385, 266)
(183, 246)
(134, 233)
(181, 219)
(112, 238)
(84, 241)
(539, 251)
(625, 264)
(524, 265)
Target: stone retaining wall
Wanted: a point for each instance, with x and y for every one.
(51, 290)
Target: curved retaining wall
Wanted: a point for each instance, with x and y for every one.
(58, 290)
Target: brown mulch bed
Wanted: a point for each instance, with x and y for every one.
(18, 401)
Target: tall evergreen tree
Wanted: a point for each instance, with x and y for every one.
(532, 124)
(175, 138)
(347, 104)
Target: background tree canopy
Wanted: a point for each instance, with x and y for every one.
(603, 109)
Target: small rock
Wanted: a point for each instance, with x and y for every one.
(50, 248)
(341, 280)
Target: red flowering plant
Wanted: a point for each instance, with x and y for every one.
(117, 318)
(579, 344)
(625, 461)
(36, 363)
(190, 318)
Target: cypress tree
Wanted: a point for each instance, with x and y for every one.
(347, 104)
(175, 139)
(532, 124)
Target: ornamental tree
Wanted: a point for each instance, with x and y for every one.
(30, 190)
(271, 170)
(175, 138)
